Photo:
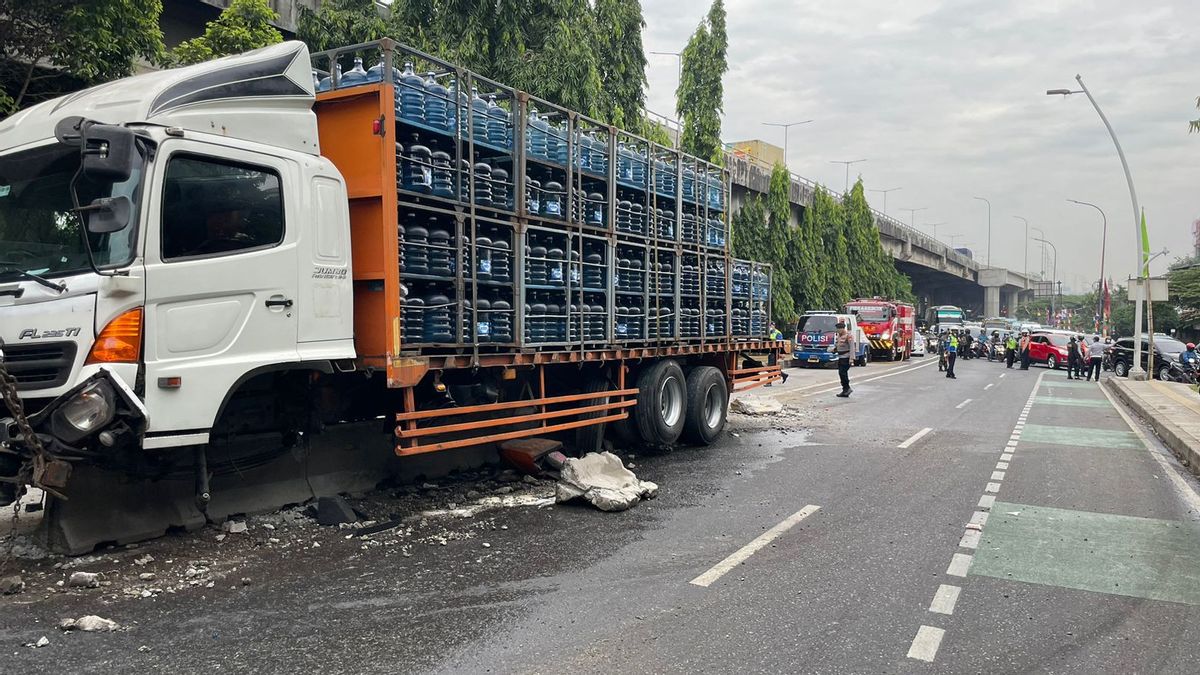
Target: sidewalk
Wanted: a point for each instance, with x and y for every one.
(1173, 410)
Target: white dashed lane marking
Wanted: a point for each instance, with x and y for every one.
(739, 556)
(962, 405)
(960, 564)
(944, 599)
(915, 437)
(925, 644)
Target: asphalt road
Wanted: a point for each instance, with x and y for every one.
(1006, 521)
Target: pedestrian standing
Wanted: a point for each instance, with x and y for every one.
(1023, 346)
(843, 345)
(1095, 358)
(1010, 349)
(775, 335)
(940, 345)
(1082, 345)
(964, 342)
(951, 355)
(1072, 358)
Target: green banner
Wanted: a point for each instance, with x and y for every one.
(1145, 247)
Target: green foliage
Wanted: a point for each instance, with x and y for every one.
(698, 100)
(656, 132)
(243, 25)
(565, 70)
(621, 61)
(89, 42)
(340, 23)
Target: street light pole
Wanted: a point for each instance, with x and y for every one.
(847, 163)
(1026, 221)
(1103, 245)
(912, 216)
(1042, 263)
(1054, 278)
(989, 246)
(885, 194)
(935, 227)
(786, 127)
(1136, 371)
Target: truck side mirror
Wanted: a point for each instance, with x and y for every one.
(108, 214)
(109, 153)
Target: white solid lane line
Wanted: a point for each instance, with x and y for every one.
(960, 564)
(990, 385)
(925, 644)
(915, 437)
(872, 379)
(944, 599)
(739, 556)
(962, 405)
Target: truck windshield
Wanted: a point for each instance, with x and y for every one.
(39, 231)
(871, 313)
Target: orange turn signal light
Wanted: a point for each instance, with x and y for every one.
(120, 341)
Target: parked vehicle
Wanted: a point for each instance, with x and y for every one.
(815, 333)
(1180, 372)
(1166, 349)
(888, 326)
(270, 272)
(1049, 348)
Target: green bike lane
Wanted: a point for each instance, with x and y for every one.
(1088, 558)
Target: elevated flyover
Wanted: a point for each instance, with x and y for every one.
(940, 275)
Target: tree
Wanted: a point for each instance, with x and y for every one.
(564, 69)
(621, 62)
(698, 100)
(340, 23)
(242, 26)
(48, 47)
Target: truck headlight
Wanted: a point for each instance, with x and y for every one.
(85, 413)
(886, 335)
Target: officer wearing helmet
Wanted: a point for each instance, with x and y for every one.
(1023, 346)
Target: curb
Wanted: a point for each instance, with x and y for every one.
(1172, 436)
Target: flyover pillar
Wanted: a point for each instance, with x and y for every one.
(1014, 303)
(992, 279)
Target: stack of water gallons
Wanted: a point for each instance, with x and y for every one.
(691, 283)
(739, 293)
(760, 299)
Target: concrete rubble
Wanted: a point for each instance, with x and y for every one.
(89, 624)
(11, 585)
(84, 580)
(603, 481)
(756, 405)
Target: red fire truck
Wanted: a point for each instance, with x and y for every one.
(888, 325)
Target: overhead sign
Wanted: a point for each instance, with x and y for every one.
(1043, 289)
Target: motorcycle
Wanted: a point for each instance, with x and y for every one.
(1183, 373)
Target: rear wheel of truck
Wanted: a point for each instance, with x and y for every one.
(661, 403)
(589, 439)
(707, 405)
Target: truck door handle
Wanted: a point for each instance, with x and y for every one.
(279, 303)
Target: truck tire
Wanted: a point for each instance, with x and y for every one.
(590, 439)
(707, 405)
(661, 403)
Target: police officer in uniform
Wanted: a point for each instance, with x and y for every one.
(951, 354)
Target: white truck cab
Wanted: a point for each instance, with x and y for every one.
(176, 231)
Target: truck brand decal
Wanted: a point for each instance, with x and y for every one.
(37, 334)
(321, 272)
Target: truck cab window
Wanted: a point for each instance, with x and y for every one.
(215, 207)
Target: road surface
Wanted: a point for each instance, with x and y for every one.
(1006, 521)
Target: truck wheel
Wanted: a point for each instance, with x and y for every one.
(661, 403)
(707, 405)
(590, 439)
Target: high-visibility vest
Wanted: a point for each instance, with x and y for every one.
(953, 346)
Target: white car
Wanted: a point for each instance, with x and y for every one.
(918, 345)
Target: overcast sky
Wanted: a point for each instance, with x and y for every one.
(946, 99)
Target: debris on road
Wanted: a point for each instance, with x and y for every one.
(89, 624)
(234, 526)
(530, 455)
(84, 580)
(756, 405)
(603, 481)
(144, 560)
(42, 642)
(335, 511)
(11, 585)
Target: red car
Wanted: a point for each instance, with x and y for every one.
(1049, 348)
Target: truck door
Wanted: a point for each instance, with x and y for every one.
(221, 280)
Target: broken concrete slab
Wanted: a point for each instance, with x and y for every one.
(93, 624)
(234, 526)
(756, 405)
(335, 511)
(603, 481)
